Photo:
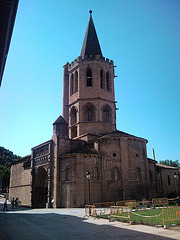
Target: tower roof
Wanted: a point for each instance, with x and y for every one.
(91, 44)
(60, 120)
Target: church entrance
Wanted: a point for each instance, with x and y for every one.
(40, 191)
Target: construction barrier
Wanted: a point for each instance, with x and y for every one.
(151, 216)
(156, 202)
(116, 212)
(103, 204)
(110, 211)
(144, 203)
(90, 210)
(102, 208)
(171, 214)
(128, 203)
(174, 201)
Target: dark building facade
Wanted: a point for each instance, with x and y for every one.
(8, 9)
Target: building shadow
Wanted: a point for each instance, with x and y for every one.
(28, 225)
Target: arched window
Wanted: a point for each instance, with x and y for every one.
(73, 115)
(76, 81)
(89, 77)
(72, 85)
(89, 112)
(74, 132)
(89, 115)
(107, 80)
(96, 174)
(115, 174)
(138, 174)
(68, 174)
(102, 79)
(106, 114)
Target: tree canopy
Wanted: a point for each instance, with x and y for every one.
(6, 158)
(170, 163)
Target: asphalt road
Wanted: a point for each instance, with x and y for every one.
(65, 224)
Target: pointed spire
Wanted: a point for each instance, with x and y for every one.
(91, 44)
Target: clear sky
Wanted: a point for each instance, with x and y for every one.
(142, 37)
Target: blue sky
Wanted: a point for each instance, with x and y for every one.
(142, 37)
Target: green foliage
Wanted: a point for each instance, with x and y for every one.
(143, 217)
(6, 158)
(170, 163)
(148, 220)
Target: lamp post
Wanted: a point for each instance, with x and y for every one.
(176, 178)
(88, 176)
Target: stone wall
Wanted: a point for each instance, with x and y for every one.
(127, 156)
(169, 185)
(153, 191)
(20, 181)
(96, 95)
(74, 185)
(138, 172)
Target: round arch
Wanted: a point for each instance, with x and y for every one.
(106, 114)
(40, 190)
(89, 112)
(73, 115)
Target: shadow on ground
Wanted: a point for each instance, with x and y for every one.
(21, 224)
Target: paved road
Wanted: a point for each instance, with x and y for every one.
(65, 224)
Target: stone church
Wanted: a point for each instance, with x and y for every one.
(85, 140)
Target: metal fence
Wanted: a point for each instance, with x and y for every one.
(171, 214)
(126, 209)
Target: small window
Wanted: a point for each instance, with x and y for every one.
(107, 81)
(89, 115)
(73, 115)
(89, 112)
(76, 81)
(115, 174)
(72, 85)
(102, 79)
(138, 174)
(169, 181)
(74, 132)
(106, 115)
(89, 78)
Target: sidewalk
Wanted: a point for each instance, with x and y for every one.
(26, 224)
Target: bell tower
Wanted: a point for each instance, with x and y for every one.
(88, 90)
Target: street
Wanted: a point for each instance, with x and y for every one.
(65, 224)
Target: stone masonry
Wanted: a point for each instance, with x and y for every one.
(84, 139)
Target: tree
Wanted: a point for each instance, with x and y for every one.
(170, 163)
(6, 158)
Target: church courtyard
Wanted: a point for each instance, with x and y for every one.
(26, 223)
